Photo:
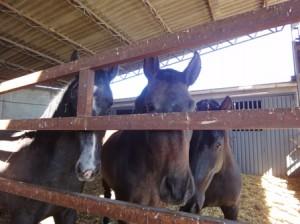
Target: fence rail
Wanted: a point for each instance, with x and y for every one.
(99, 206)
(212, 120)
(199, 36)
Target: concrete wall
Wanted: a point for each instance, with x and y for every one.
(27, 103)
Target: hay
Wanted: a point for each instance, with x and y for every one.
(265, 200)
(252, 207)
(256, 207)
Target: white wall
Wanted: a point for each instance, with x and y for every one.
(27, 103)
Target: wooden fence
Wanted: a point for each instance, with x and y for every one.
(199, 36)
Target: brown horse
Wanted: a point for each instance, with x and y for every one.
(217, 176)
(59, 159)
(152, 167)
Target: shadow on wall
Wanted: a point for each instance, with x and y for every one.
(293, 162)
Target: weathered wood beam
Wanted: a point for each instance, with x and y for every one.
(211, 10)
(31, 50)
(100, 206)
(196, 37)
(99, 21)
(11, 64)
(85, 92)
(48, 30)
(156, 15)
(8, 46)
(213, 120)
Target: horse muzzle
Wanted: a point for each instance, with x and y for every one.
(85, 175)
(176, 191)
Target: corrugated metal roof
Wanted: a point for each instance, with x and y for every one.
(51, 30)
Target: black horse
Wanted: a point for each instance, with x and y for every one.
(59, 159)
(152, 167)
(216, 174)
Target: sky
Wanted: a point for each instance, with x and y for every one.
(266, 59)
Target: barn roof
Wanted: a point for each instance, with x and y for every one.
(40, 34)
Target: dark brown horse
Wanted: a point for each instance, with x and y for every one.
(152, 167)
(216, 174)
(59, 159)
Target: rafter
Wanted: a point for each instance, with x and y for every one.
(48, 30)
(99, 21)
(30, 50)
(264, 3)
(211, 10)
(155, 14)
(197, 37)
(11, 64)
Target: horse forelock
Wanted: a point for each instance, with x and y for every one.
(171, 76)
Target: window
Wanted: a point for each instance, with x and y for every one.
(247, 105)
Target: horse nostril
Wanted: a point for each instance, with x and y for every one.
(78, 169)
(88, 174)
(170, 186)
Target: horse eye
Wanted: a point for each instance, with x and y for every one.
(150, 107)
(218, 146)
(109, 111)
(176, 108)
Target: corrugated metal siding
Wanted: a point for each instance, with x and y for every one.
(263, 151)
(273, 151)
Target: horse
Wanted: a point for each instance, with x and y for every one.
(152, 167)
(216, 174)
(59, 159)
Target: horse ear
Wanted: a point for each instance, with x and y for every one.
(112, 72)
(193, 69)
(151, 67)
(227, 104)
(75, 55)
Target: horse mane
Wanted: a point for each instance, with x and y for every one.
(55, 102)
(48, 113)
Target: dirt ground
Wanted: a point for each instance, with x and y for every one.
(264, 200)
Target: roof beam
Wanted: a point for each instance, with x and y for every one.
(48, 30)
(211, 10)
(10, 64)
(99, 21)
(156, 16)
(196, 37)
(30, 50)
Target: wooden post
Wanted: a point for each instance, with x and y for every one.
(85, 92)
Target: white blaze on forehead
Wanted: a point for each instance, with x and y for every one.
(88, 155)
(93, 145)
(96, 109)
(94, 102)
